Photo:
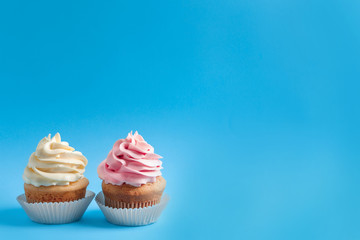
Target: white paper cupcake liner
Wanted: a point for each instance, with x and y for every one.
(56, 213)
(129, 216)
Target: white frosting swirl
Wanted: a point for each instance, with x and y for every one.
(54, 163)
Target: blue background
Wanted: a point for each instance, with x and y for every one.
(253, 104)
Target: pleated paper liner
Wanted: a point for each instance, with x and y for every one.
(132, 216)
(56, 213)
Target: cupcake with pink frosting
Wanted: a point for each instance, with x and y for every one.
(131, 174)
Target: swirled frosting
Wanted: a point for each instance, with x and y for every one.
(132, 161)
(54, 163)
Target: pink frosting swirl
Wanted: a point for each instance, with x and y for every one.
(132, 161)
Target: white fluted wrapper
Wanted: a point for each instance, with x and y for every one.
(129, 216)
(56, 213)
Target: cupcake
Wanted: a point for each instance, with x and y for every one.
(131, 174)
(55, 172)
(55, 187)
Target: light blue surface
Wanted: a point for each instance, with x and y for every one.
(253, 104)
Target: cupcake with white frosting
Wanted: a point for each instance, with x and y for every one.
(55, 172)
(55, 186)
